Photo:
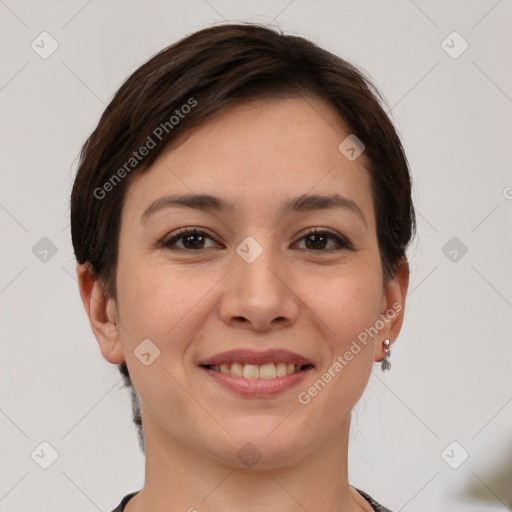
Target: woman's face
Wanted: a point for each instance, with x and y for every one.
(254, 279)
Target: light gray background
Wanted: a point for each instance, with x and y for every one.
(450, 379)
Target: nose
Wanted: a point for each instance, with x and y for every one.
(259, 295)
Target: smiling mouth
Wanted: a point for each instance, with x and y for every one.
(253, 371)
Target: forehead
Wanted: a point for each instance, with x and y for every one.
(285, 129)
(256, 154)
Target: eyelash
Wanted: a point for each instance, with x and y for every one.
(331, 235)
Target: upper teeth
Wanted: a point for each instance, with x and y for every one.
(254, 371)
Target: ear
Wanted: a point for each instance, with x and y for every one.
(392, 308)
(102, 313)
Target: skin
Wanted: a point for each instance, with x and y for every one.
(192, 305)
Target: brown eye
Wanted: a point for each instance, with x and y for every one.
(191, 239)
(194, 240)
(318, 241)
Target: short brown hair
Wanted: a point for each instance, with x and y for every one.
(209, 71)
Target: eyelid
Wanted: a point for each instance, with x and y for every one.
(182, 232)
(342, 241)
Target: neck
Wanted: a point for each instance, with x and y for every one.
(178, 478)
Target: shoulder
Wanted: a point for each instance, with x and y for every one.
(375, 505)
(124, 501)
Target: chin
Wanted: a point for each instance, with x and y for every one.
(263, 446)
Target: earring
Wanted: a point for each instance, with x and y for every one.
(386, 365)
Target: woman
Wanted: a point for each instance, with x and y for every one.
(240, 218)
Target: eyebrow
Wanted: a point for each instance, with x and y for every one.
(211, 203)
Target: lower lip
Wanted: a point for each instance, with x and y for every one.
(257, 388)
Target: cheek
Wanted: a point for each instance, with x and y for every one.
(347, 312)
(345, 308)
(157, 303)
(347, 303)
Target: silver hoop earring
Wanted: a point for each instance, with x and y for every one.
(386, 364)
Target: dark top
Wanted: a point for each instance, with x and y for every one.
(376, 506)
